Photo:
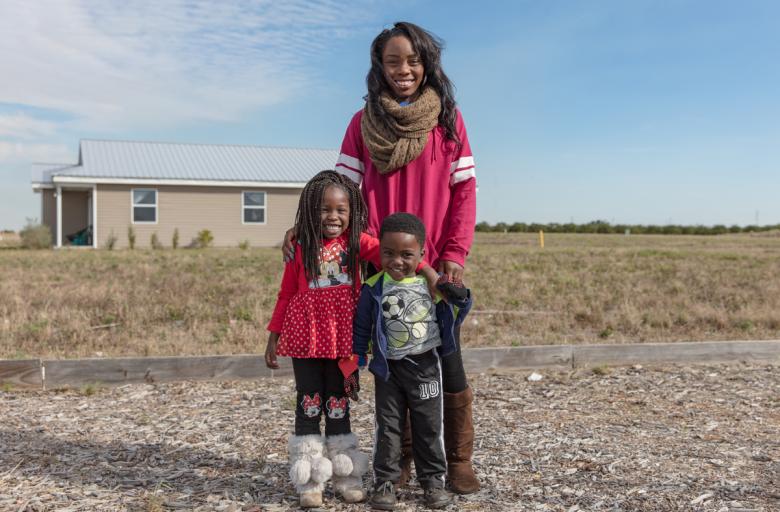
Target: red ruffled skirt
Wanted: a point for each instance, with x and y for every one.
(318, 323)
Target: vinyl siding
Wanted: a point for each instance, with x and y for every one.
(191, 209)
(49, 211)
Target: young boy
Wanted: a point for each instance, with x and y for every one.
(408, 332)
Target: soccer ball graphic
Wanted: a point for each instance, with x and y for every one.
(392, 306)
(397, 333)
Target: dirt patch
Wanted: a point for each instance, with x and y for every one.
(674, 438)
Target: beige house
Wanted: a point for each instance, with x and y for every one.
(239, 193)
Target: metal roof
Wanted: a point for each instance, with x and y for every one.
(128, 160)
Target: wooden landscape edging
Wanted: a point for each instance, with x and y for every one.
(21, 373)
(51, 373)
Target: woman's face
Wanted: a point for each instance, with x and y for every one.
(403, 68)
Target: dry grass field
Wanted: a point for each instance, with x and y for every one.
(578, 289)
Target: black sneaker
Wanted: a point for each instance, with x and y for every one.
(383, 497)
(437, 497)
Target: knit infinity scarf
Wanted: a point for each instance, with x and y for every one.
(396, 145)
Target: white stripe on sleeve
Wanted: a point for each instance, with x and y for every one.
(349, 173)
(351, 163)
(458, 176)
(462, 163)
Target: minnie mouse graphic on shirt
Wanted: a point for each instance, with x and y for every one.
(333, 267)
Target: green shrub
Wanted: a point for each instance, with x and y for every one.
(204, 238)
(175, 239)
(131, 237)
(155, 242)
(35, 236)
(243, 245)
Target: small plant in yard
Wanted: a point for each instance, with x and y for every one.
(600, 370)
(606, 332)
(204, 238)
(131, 237)
(175, 239)
(89, 389)
(35, 236)
(111, 241)
(243, 245)
(6, 387)
(155, 242)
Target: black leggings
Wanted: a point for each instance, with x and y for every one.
(320, 390)
(453, 375)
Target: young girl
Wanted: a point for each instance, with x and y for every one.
(312, 324)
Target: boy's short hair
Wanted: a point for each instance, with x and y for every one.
(403, 222)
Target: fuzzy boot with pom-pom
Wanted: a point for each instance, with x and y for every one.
(349, 466)
(309, 468)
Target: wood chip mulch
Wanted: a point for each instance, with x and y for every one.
(672, 438)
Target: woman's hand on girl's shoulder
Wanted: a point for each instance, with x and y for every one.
(288, 245)
(270, 351)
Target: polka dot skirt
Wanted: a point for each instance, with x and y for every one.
(318, 323)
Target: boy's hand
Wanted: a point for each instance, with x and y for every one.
(431, 277)
(270, 351)
(288, 245)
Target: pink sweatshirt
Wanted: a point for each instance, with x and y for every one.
(439, 186)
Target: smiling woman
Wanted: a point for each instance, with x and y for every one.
(409, 151)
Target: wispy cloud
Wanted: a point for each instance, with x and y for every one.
(119, 65)
(23, 126)
(26, 152)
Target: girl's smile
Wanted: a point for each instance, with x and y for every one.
(334, 214)
(403, 68)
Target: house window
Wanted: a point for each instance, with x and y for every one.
(253, 207)
(144, 206)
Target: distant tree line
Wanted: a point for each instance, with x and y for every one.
(601, 226)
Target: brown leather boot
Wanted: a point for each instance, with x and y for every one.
(459, 441)
(406, 453)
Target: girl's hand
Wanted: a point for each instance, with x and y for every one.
(288, 245)
(270, 351)
(452, 269)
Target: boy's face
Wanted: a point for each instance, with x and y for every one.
(401, 254)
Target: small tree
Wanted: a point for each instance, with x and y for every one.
(204, 238)
(155, 242)
(35, 236)
(175, 239)
(131, 237)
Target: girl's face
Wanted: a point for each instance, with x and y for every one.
(334, 213)
(403, 68)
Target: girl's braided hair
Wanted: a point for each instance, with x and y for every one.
(429, 48)
(308, 223)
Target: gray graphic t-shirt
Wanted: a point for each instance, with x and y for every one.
(409, 317)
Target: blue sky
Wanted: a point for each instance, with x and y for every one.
(632, 112)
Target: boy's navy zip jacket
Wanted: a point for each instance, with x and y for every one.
(368, 329)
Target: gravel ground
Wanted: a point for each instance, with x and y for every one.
(672, 438)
